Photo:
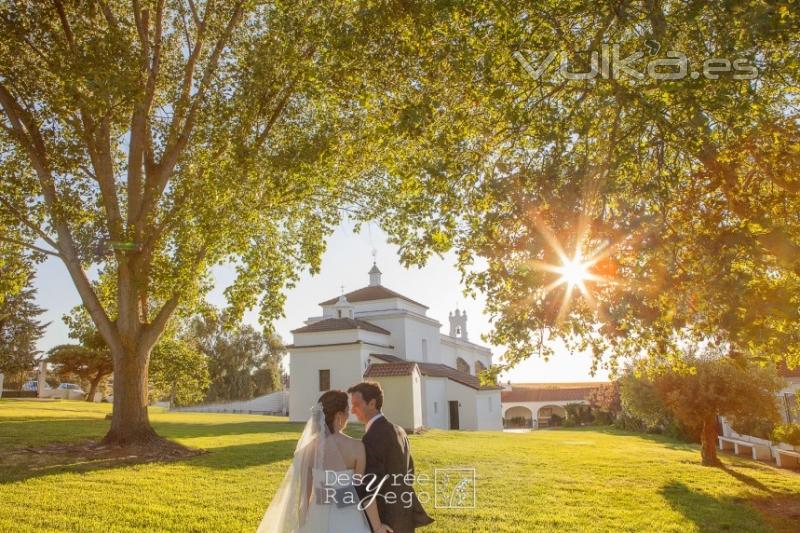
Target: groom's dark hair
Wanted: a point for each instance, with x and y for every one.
(369, 390)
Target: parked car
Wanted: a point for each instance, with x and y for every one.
(67, 391)
(71, 386)
(33, 385)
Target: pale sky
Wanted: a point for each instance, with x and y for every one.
(346, 262)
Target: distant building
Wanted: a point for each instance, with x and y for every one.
(534, 404)
(373, 333)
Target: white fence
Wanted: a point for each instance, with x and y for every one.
(276, 403)
(727, 431)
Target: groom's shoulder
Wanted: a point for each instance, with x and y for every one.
(381, 425)
(387, 426)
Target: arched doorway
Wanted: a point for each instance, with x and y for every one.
(518, 417)
(550, 416)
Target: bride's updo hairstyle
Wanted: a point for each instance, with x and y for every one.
(333, 401)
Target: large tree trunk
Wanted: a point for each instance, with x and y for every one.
(130, 424)
(708, 442)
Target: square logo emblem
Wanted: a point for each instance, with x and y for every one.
(454, 488)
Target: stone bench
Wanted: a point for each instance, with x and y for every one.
(756, 451)
(787, 458)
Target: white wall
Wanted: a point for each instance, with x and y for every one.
(415, 331)
(396, 325)
(340, 337)
(402, 400)
(451, 349)
(408, 330)
(344, 362)
(467, 407)
(489, 414)
(433, 390)
(276, 402)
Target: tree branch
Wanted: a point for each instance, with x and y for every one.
(174, 148)
(108, 14)
(152, 331)
(62, 15)
(140, 142)
(98, 142)
(276, 113)
(31, 246)
(30, 137)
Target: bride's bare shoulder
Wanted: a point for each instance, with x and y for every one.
(354, 443)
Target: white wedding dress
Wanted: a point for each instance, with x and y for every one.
(324, 517)
(296, 507)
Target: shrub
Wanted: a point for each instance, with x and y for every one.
(517, 422)
(787, 433)
(755, 427)
(580, 414)
(602, 418)
(629, 422)
(606, 399)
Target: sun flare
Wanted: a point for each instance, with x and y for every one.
(574, 271)
(579, 273)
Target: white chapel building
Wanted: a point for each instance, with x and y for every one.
(373, 333)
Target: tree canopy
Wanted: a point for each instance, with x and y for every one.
(676, 198)
(156, 139)
(242, 361)
(179, 371)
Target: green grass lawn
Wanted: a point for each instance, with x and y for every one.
(561, 480)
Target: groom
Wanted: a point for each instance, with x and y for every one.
(388, 454)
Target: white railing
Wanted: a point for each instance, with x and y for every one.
(276, 403)
(727, 431)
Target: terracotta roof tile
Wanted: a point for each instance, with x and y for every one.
(371, 292)
(437, 371)
(384, 370)
(337, 324)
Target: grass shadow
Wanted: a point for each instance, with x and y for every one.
(665, 440)
(747, 480)
(27, 465)
(709, 513)
(198, 429)
(246, 455)
(37, 432)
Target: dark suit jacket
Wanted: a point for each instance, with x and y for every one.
(388, 454)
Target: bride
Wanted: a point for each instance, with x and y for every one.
(325, 460)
